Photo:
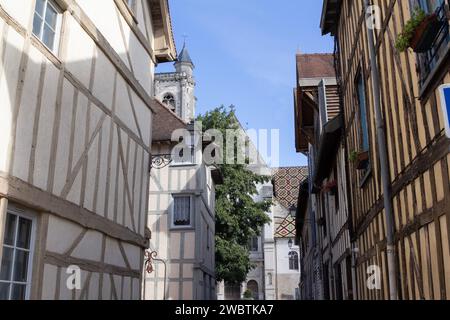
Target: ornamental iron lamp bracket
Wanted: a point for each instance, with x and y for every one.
(150, 258)
(161, 161)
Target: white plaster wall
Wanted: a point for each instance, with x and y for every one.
(282, 251)
(26, 116)
(18, 9)
(61, 234)
(8, 84)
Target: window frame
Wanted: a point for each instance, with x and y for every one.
(191, 211)
(292, 260)
(168, 105)
(360, 75)
(429, 67)
(59, 22)
(25, 214)
(254, 240)
(367, 172)
(131, 6)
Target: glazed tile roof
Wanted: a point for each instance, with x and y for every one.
(286, 183)
(287, 228)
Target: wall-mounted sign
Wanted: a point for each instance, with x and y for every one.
(444, 92)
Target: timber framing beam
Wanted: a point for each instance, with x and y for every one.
(420, 165)
(92, 266)
(91, 30)
(21, 192)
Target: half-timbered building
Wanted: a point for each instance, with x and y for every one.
(373, 73)
(76, 113)
(182, 196)
(322, 210)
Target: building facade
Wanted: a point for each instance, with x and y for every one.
(407, 85)
(275, 253)
(322, 215)
(286, 274)
(182, 197)
(76, 88)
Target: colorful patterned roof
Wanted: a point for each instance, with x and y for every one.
(286, 184)
(287, 228)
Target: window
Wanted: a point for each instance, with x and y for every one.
(361, 90)
(336, 190)
(252, 285)
(46, 23)
(293, 260)
(270, 279)
(182, 208)
(169, 101)
(15, 269)
(428, 60)
(208, 239)
(254, 244)
(131, 5)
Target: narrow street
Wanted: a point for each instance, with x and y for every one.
(247, 154)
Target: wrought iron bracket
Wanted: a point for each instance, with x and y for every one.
(161, 161)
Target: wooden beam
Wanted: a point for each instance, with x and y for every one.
(38, 259)
(23, 193)
(3, 213)
(86, 23)
(87, 265)
(417, 167)
(132, 22)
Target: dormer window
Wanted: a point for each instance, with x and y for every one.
(169, 101)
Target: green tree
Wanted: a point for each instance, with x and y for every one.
(238, 217)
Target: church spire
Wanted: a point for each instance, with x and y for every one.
(184, 61)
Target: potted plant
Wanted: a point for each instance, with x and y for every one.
(248, 295)
(360, 159)
(419, 32)
(330, 186)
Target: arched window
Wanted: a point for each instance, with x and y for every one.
(293, 260)
(269, 279)
(169, 101)
(252, 285)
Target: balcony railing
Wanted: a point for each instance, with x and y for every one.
(429, 60)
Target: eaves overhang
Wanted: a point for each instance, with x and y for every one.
(330, 15)
(328, 148)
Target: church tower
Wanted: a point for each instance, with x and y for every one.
(177, 89)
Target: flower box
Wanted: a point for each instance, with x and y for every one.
(426, 33)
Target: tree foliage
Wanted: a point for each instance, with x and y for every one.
(239, 217)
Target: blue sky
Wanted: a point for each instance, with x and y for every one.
(244, 53)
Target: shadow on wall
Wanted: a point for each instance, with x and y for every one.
(63, 124)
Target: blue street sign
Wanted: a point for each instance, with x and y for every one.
(444, 91)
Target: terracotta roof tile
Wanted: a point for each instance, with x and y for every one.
(164, 122)
(316, 65)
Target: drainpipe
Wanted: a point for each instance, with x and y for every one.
(382, 151)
